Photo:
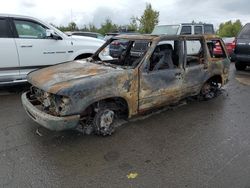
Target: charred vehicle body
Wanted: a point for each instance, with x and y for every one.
(94, 92)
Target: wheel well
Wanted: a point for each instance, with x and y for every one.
(117, 104)
(82, 56)
(216, 79)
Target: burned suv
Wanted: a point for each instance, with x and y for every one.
(96, 91)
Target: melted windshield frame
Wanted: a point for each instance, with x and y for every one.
(131, 57)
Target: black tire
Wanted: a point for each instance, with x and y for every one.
(103, 122)
(240, 66)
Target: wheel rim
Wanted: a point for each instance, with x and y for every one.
(106, 120)
(209, 90)
(206, 89)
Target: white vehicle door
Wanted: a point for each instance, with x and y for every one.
(35, 49)
(9, 66)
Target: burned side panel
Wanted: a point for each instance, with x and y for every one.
(122, 84)
(63, 95)
(159, 88)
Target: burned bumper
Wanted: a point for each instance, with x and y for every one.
(48, 121)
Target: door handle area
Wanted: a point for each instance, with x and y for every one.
(26, 46)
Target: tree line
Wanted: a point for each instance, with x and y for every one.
(146, 23)
(143, 24)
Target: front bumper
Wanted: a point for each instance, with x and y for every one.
(48, 121)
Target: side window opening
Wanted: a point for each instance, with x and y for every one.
(165, 55)
(208, 29)
(215, 49)
(198, 30)
(195, 52)
(186, 30)
(31, 30)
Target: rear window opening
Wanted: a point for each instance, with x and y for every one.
(215, 49)
(4, 32)
(195, 52)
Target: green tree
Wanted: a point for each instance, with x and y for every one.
(107, 26)
(149, 19)
(72, 26)
(229, 28)
(90, 28)
(133, 25)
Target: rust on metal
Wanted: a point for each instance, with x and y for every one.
(81, 87)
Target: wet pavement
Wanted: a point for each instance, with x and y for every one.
(200, 144)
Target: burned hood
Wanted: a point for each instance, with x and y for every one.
(55, 78)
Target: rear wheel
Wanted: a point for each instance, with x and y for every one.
(240, 66)
(209, 90)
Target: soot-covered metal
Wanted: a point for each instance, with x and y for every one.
(94, 92)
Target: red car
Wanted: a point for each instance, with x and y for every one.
(230, 45)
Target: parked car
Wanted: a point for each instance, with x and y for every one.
(241, 54)
(85, 34)
(230, 45)
(27, 43)
(117, 47)
(95, 92)
(184, 29)
(110, 35)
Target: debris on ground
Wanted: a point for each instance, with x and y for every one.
(38, 133)
(132, 175)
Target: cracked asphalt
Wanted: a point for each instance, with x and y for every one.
(200, 144)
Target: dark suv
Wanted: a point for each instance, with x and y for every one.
(242, 48)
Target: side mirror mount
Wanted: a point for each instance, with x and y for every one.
(51, 34)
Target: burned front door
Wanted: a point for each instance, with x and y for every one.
(161, 82)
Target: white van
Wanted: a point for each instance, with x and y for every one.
(184, 29)
(27, 43)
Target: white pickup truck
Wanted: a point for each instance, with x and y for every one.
(27, 43)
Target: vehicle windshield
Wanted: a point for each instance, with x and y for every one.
(122, 53)
(166, 29)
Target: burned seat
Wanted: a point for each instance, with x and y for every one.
(166, 61)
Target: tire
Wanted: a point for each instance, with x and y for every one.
(240, 66)
(209, 91)
(103, 122)
(83, 56)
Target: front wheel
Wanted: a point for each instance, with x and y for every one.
(103, 122)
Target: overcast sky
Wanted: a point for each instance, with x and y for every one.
(83, 12)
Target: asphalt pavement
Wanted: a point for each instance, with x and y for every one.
(199, 144)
